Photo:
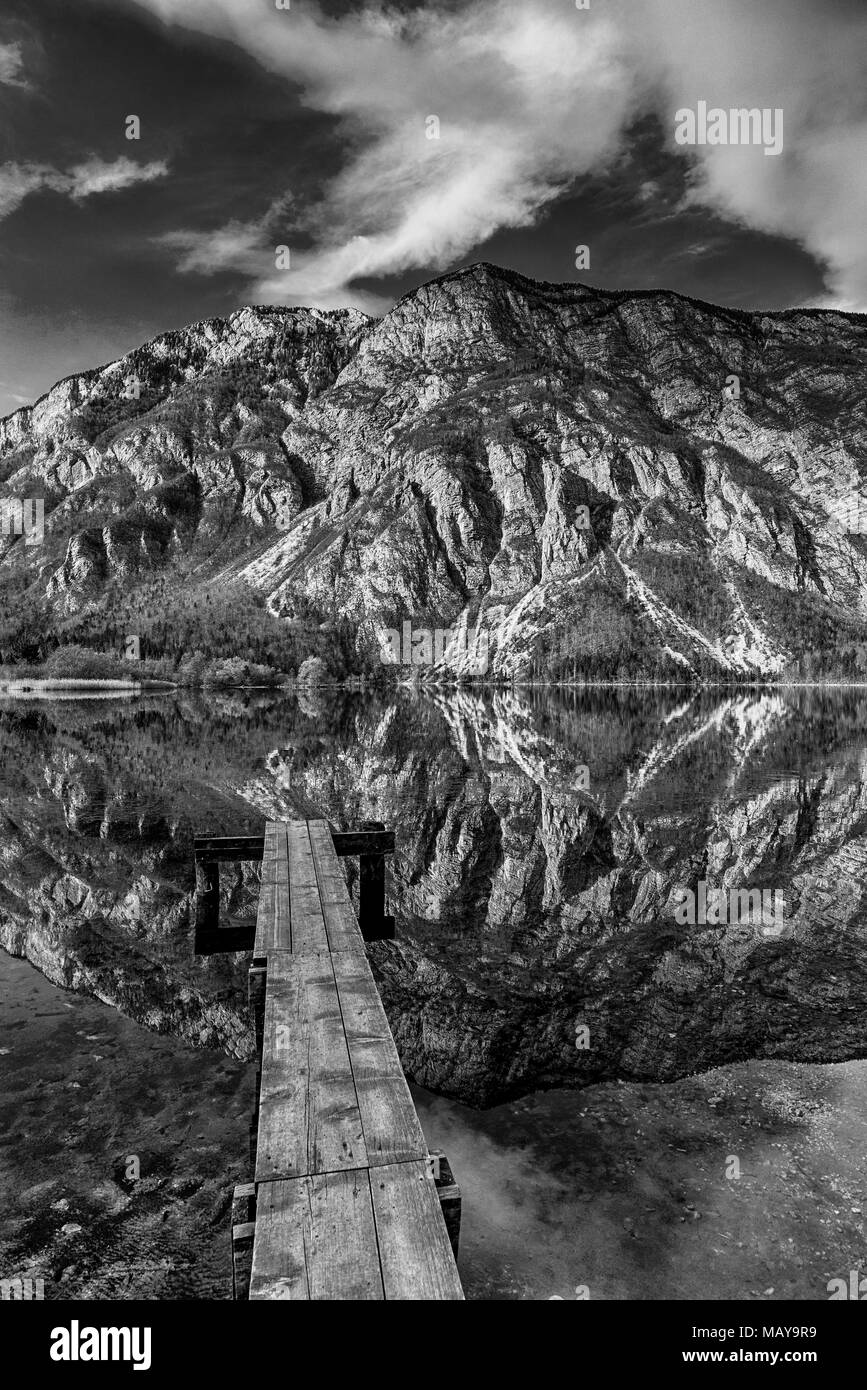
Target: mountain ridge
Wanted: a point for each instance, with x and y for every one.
(516, 277)
(479, 454)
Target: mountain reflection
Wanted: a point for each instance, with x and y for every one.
(543, 843)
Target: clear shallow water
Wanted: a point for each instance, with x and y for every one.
(530, 897)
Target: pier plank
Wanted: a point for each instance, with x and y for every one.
(308, 922)
(342, 929)
(316, 1239)
(414, 1249)
(309, 1120)
(273, 923)
(391, 1126)
(282, 933)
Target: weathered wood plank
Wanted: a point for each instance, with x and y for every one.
(341, 927)
(212, 848)
(282, 929)
(348, 842)
(392, 1131)
(414, 1250)
(266, 918)
(308, 922)
(309, 1120)
(243, 1203)
(316, 1239)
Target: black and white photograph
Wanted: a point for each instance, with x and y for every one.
(433, 670)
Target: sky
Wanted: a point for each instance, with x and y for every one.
(381, 145)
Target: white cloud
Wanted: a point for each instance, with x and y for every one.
(12, 65)
(531, 96)
(17, 181)
(805, 58)
(94, 176)
(527, 98)
(237, 246)
(102, 176)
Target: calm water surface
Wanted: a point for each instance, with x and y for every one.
(543, 842)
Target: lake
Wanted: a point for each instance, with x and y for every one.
(634, 1106)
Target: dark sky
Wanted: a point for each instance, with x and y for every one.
(307, 127)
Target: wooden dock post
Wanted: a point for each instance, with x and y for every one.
(209, 937)
(449, 1194)
(243, 1235)
(257, 981)
(207, 903)
(375, 925)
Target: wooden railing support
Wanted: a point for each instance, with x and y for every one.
(449, 1194)
(375, 925)
(371, 843)
(346, 843)
(243, 1232)
(257, 979)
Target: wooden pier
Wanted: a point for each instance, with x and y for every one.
(346, 1202)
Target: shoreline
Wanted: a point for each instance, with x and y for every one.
(39, 686)
(48, 686)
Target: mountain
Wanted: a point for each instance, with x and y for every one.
(581, 482)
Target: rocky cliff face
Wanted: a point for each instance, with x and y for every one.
(629, 479)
